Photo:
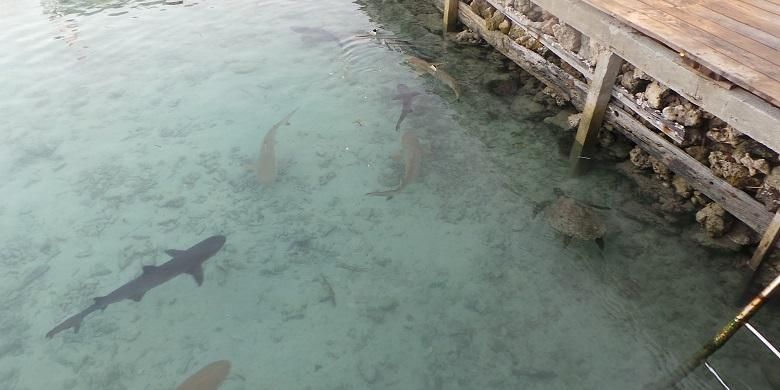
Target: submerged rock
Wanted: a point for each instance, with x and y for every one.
(681, 187)
(574, 120)
(467, 37)
(505, 87)
(560, 120)
(640, 158)
(741, 234)
(714, 219)
(717, 243)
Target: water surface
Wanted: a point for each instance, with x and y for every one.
(126, 128)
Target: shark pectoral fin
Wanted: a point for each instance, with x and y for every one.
(174, 252)
(137, 297)
(197, 273)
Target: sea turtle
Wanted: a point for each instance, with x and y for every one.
(573, 219)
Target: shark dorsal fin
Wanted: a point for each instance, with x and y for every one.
(174, 252)
(197, 273)
(149, 269)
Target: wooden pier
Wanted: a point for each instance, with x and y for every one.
(721, 55)
(676, 43)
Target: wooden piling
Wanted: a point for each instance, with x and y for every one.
(450, 14)
(767, 242)
(593, 111)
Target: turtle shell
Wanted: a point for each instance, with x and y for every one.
(575, 220)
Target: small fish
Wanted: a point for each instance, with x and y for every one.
(412, 152)
(265, 169)
(405, 95)
(423, 66)
(207, 378)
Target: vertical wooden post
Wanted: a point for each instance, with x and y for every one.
(450, 14)
(767, 242)
(594, 109)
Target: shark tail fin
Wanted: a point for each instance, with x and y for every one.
(197, 273)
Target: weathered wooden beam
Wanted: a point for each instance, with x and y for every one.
(768, 240)
(450, 14)
(593, 111)
(549, 42)
(744, 111)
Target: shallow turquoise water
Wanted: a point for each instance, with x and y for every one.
(126, 128)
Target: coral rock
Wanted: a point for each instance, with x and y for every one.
(699, 152)
(505, 26)
(547, 26)
(640, 158)
(660, 169)
(753, 165)
(726, 135)
(494, 21)
(725, 166)
(741, 234)
(467, 37)
(654, 94)
(574, 120)
(478, 6)
(769, 196)
(681, 187)
(714, 219)
(686, 114)
(568, 37)
(773, 178)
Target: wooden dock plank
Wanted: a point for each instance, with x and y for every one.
(695, 9)
(761, 76)
(737, 43)
(747, 14)
(720, 28)
(764, 5)
(689, 36)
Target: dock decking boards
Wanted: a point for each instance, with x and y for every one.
(737, 39)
